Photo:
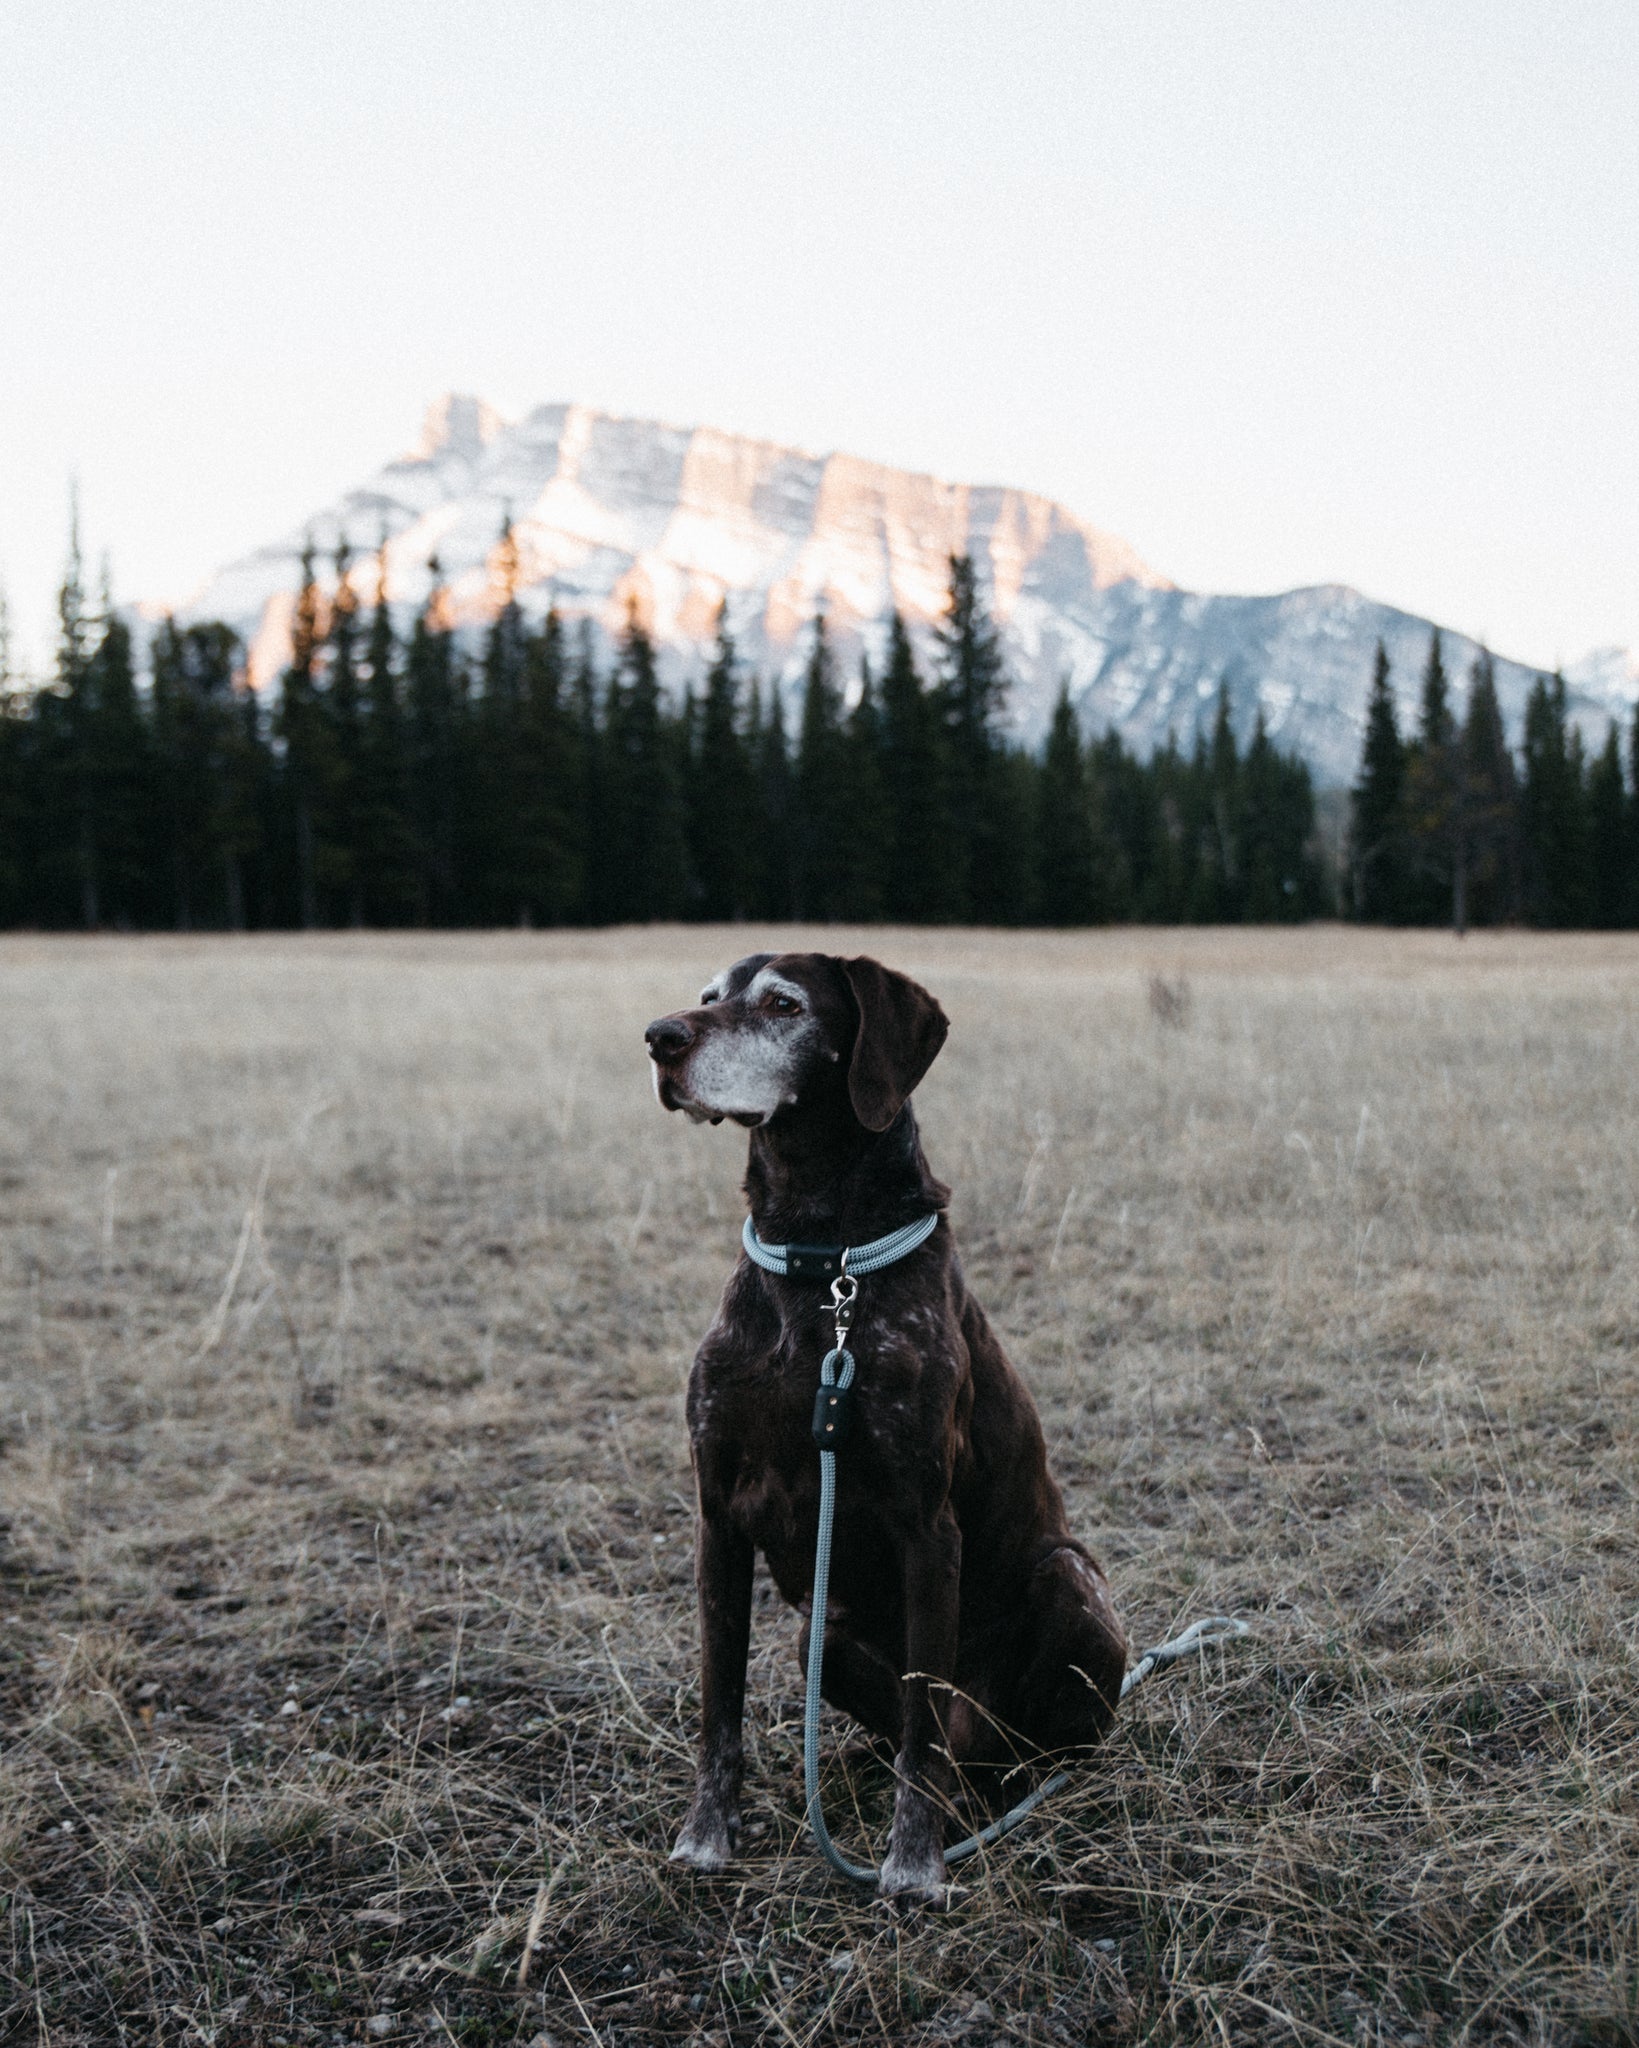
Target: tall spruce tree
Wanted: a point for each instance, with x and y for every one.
(1168, 871)
(722, 792)
(1608, 835)
(205, 780)
(1218, 884)
(776, 882)
(386, 835)
(182, 756)
(865, 827)
(498, 821)
(1378, 853)
(992, 866)
(1284, 880)
(551, 846)
(921, 869)
(77, 750)
(433, 716)
(1433, 805)
(1490, 802)
(1065, 884)
(1553, 812)
(643, 787)
(119, 769)
(308, 752)
(1124, 826)
(591, 825)
(820, 818)
(341, 857)
(1265, 881)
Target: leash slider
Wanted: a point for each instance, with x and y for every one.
(833, 1415)
(813, 1261)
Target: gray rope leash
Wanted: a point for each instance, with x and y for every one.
(1199, 1636)
(831, 1418)
(842, 1265)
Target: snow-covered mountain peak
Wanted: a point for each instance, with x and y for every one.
(692, 521)
(457, 424)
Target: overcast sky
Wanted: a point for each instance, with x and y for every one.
(1282, 293)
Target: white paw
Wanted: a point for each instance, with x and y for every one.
(915, 1880)
(704, 1849)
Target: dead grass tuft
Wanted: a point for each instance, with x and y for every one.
(347, 1289)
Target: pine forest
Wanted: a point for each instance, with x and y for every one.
(528, 777)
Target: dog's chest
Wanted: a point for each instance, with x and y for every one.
(761, 1414)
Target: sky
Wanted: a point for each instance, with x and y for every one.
(1282, 291)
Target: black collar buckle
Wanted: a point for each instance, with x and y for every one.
(813, 1261)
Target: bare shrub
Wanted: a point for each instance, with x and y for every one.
(1170, 1001)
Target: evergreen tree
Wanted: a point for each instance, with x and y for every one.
(866, 825)
(205, 779)
(78, 741)
(642, 788)
(1378, 854)
(303, 727)
(500, 799)
(1266, 881)
(1608, 836)
(434, 711)
(385, 833)
(992, 869)
(1283, 880)
(1065, 888)
(340, 852)
(722, 797)
(551, 847)
(118, 771)
(821, 818)
(181, 751)
(1433, 798)
(245, 776)
(1490, 795)
(1169, 872)
(1553, 815)
(1216, 886)
(923, 885)
(590, 828)
(1124, 821)
(776, 884)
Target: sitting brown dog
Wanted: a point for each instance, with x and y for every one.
(967, 1625)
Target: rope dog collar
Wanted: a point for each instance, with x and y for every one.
(829, 1261)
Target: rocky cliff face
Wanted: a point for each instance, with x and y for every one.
(608, 511)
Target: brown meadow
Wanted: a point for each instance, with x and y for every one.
(348, 1286)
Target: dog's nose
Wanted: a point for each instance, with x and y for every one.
(666, 1037)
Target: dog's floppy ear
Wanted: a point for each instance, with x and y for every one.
(901, 1029)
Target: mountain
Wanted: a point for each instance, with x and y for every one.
(607, 511)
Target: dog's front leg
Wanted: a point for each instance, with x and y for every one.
(915, 1864)
(723, 1563)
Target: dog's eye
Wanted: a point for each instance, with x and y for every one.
(707, 997)
(783, 1005)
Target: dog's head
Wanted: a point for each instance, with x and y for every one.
(777, 1029)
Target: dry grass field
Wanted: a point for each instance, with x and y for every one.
(347, 1291)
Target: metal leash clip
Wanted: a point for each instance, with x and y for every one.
(843, 1290)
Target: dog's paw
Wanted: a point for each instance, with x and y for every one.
(706, 1846)
(919, 1880)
